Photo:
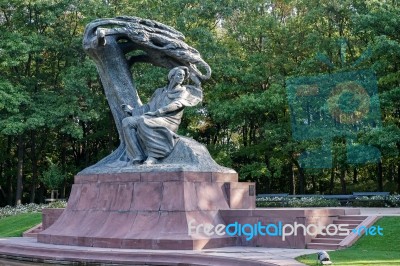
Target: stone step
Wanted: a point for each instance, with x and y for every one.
(33, 232)
(347, 221)
(324, 246)
(326, 240)
(331, 242)
(332, 230)
(330, 237)
(349, 226)
(352, 217)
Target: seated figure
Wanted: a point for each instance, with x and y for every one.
(150, 130)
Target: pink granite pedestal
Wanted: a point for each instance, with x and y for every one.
(149, 210)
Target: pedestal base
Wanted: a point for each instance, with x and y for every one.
(148, 210)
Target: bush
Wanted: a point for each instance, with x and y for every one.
(52, 177)
(374, 201)
(393, 201)
(29, 208)
(297, 202)
(57, 204)
(313, 202)
(270, 202)
(377, 201)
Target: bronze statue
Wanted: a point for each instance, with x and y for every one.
(150, 130)
(147, 132)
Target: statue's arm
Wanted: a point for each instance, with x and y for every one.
(174, 106)
(140, 110)
(196, 80)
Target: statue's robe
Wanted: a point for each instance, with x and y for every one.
(155, 136)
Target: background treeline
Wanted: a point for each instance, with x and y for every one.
(55, 121)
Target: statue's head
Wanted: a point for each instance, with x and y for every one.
(178, 71)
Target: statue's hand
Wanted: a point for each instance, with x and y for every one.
(127, 108)
(195, 79)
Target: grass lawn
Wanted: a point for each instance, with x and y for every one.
(16, 225)
(368, 250)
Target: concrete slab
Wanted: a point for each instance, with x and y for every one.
(28, 249)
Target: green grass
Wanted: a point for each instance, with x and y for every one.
(368, 250)
(16, 225)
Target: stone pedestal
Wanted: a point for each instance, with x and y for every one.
(149, 210)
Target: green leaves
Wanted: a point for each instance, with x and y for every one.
(53, 176)
(48, 85)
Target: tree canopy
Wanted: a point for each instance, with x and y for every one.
(53, 112)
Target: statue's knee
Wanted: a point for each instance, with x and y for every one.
(126, 122)
(129, 122)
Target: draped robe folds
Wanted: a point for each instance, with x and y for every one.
(155, 136)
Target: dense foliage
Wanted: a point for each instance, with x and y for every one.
(54, 117)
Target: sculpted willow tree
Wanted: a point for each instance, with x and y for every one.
(147, 132)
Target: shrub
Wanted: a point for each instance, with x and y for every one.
(377, 201)
(26, 208)
(297, 202)
(365, 201)
(57, 204)
(29, 208)
(393, 201)
(52, 177)
(270, 202)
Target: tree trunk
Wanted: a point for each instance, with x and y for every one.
(343, 179)
(267, 185)
(292, 181)
(111, 133)
(332, 181)
(20, 165)
(3, 194)
(34, 166)
(355, 175)
(398, 178)
(392, 170)
(163, 46)
(267, 179)
(9, 188)
(244, 135)
(380, 176)
(301, 177)
(314, 184)
(301, 181)
(2, 177)
(63, 165)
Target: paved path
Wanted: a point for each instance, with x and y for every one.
(277, 256)
(240, 255)
(380, 211)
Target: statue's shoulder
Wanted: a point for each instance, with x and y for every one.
(157, 93)
(194, 91)
(190, 95)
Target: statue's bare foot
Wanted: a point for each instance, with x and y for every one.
(150, 161)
